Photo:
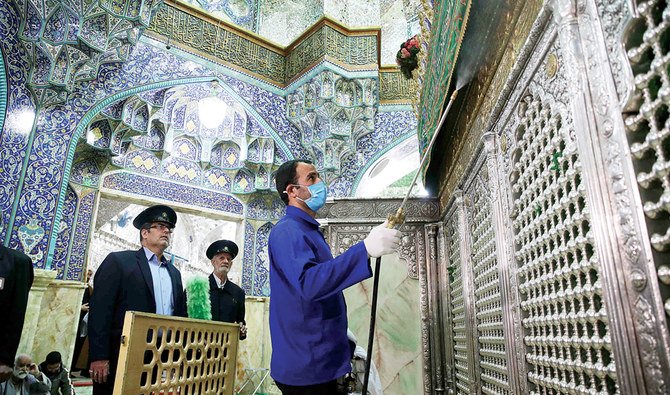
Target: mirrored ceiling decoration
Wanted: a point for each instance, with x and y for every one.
(206, 136)
(69, 40)
(283, 21)
(240, 12)
(333, 113)
(194, 134)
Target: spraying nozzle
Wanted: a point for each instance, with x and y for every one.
(397, 219)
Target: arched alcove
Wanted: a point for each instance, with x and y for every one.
(194, 232)
(124, 163)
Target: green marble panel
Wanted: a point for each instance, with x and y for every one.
(397, 345)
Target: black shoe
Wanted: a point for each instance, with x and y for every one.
(84, 373)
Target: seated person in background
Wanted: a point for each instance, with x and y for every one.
(226, 297)
(53, 368)
(26, 379)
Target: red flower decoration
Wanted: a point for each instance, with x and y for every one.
(406, 57)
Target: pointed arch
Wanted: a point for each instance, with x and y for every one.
(81, 127)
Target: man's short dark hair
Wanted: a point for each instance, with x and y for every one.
(286, 175)
(53, 358)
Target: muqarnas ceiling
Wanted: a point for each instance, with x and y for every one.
(334, 123)
(69, 40)
(160, 133)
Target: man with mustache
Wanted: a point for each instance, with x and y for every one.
(226, 297)
(142, 280)
(26, 379)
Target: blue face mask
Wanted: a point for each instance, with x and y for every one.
(319, 193)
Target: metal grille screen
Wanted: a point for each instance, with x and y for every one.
(649, 127)
(487, 291)
(461, 352)
(565, 322)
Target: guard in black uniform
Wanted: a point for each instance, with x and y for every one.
(226, 297)
(16, 278)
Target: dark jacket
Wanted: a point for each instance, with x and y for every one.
(86, 298)
(123, 283)
(16, 271)
(227, 303)
(60, 382)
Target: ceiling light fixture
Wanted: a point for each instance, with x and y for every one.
(22, 121)
(211, 111)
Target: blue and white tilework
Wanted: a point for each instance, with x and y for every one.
(218, 179)
(143, 162)
(14, 140)
(99, 134)
(186, 148)
(182, 170)
(65, 234)
(262, 179)
(68, 43)
(262, 262)
(154, 140)
(271, 108)
(255, 273)
(249, 254)
(39, 196)
(156, 188)
(86, 172)
(132, 116)
(266, 207)
(390, 128)
(30, 235)
(75, 265)
(244, 182)
(52, 137)
(227, 155)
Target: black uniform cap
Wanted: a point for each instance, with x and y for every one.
(222, 246)
(158, 213)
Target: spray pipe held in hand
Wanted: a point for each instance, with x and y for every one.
(395, 220)
(398, 218)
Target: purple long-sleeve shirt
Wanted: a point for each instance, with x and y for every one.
(308, 314)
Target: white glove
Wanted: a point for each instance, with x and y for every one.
(382, 241)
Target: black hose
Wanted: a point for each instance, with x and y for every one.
(373, 316)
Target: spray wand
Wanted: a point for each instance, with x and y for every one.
(395, 220)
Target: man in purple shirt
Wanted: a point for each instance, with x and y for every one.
(308, 314)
